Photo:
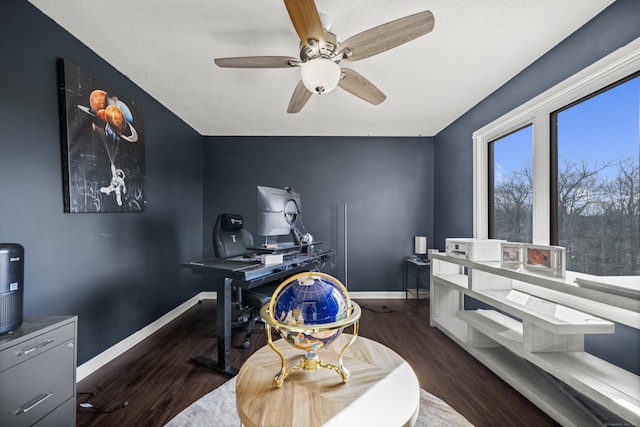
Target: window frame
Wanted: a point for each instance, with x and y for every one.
(537, 112)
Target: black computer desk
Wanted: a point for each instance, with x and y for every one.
(245, 275)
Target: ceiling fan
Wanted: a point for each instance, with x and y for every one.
(321, 51)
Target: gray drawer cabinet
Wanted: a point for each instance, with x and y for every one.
(38, 373)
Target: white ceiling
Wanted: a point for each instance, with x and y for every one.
(167, 48)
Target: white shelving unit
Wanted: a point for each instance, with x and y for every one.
(539, 321)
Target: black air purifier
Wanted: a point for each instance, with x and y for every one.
(11, 286)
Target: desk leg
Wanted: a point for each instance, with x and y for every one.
(223, 324)
(418, 282)
(223, 331)
(404, 281)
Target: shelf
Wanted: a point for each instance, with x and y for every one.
(535, 385)
(543, 342)
(453, 327)
(555, 318)
(566, 286)
(614, 388)
(506, 361)
(453, 280)
(503, 329)
(608, 306)
(548, 315)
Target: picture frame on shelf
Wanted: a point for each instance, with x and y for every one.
(544, 259)
(511, 255)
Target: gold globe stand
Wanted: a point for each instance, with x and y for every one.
(311, 361)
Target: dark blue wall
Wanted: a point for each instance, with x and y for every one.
(387, 184)
(615, 27)
(118, 272)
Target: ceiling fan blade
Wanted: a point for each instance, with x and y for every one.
(257, 62)
(357, 85)
(306, 20)
(299, 98)
(387, 36)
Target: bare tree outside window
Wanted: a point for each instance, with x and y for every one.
(512, 185)
(598, 182)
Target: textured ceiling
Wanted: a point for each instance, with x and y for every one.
(167, 48)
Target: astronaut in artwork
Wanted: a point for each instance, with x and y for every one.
(117, 185)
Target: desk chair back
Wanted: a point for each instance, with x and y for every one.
(229, 236)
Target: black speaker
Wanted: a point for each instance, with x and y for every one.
(11, 286)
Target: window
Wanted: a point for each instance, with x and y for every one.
(511, 187)
(598, 180)
(585, 131)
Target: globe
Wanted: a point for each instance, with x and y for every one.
(310, 310)
(310, 300)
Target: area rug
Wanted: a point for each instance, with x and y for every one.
(218, 409)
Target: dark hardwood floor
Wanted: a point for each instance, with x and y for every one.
(158, 379)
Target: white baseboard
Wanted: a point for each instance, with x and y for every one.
(377, 295)
(111, 353)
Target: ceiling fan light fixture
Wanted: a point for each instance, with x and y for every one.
(320, 75)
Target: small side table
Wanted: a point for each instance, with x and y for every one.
(418, 267)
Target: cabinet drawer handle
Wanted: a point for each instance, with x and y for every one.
(32, 349)
(35, 402)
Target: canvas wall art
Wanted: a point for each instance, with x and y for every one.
(103, 150)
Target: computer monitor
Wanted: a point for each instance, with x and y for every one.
(278, 211)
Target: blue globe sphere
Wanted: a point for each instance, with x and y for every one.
(310, 300)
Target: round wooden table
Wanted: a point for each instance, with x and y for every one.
(382, 388)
